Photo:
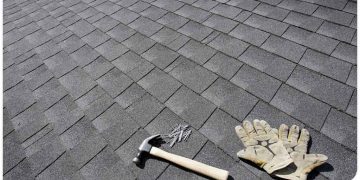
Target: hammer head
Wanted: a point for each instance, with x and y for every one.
(144, 148)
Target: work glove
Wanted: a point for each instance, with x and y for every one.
(296, 144)
(262, 146)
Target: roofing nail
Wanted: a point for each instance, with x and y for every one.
(173, 141)
(181, 134)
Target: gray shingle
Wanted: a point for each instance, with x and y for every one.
(271, 11)
(230, 98)
(165, 36)
(326, 65)
(114, 82)
(313, 40)
(193, 13)
(197, 51)
(336, 4)
(130, 95)
(106, 23)
(160, 56)
(351, 109)
(205, 4)
(82, 28)
(108, 7)
(321, 87)
(139, 6)
(125, 16)
(308, 110)
(244, 4)
(335, 31)
(226, 10)
(11, 77)
(284, 48)
(72, 44)
(345, 52)
(352, 77)
(172, 20)
(340, 127)
(85, 55)
(170, 5)
(140, 70)
(333, 15)
(153, 13)
(307, 22)
(98, 67)
(191, 107)
(139, 43)
(145, 26)
(299, 6)
(266, 24)
(192, 75)
(111, 49)
(195, 30)
(128, 61)
(121, 32)
(77, 82)
(60, 63)
(219, 23)
(256, 82)
(266, 62)
(95, 38)
(223, 65)
(63, 167)
(159, 84)
(228, 45)
(350, 7)
(244, 15)
(249, 34)
(13, 152)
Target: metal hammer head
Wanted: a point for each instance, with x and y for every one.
(144, 148)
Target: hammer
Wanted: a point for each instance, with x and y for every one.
(147, 148)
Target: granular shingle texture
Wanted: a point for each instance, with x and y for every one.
(85, 81)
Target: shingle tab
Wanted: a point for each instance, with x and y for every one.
(77, 82)
(267, 24)
(223, 65)
(271, 11)
(249, 34)
(195, 30)
(197, 51)
(333, 15)
(172, 20)
(193, 13)
(299, 6)
(219, 23)
(114, 82)
(226, 10)
(145, 26)
(345, 52)
(228, 45)
(335, 31)
(160, 56)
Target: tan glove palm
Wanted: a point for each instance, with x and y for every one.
(296, 144)
(262, 146)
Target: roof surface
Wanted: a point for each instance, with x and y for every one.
(85, 81)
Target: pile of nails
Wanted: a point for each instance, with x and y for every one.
(178, 134)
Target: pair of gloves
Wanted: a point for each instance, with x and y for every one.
(280, 152)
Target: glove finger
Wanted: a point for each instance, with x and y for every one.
(303, 140)
(283, 132)
(294, 134)
(259, 128)
(241, 133)
(266, 126)
(249, 128)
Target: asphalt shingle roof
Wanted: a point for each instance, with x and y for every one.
(85, 81)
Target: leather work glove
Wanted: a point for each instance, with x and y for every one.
(296, 144)
(262, 146)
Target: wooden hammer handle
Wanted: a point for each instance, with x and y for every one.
(196, 166)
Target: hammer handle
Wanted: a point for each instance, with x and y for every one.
(196, 166)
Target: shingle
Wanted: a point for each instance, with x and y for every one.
(139, 6)
(145, 109)
(244, 4)
(85, 55)
(11, 77)
(191, 107)
(223, 65)
(60, 64)
(336, 4)
(160, 56)
(197, 51)
(82, 28)
(335, 31)
(192, 75)
(195, 30)
(313, 40)
(13, 152)
(88, 13)
(106, 23)
(121, 32)
(111, 49)
(266, 62)
(128, 61)
(271, 11)
(125, 16)
(266, 24)
(48, 23)
(139, 43)
(23, 169)
(98, 67)
(114, 82)
(219, 23)
(301, 106)
(345, 52)
(340, 127)
(193, 13)
(126, 3)
(352, 77)
(170, 5)
(350, 7)
(165, 36)
(96, 17)
(326, 65)
(63, 167)
(249, 34)
(153, 13)
(130, 95)
(284, 48)
(72, 44)
(95, 38)
(299, 6)
(229, 45)
(226, 10)
(354, 39)
(333, 15)
(128, 151)
(354, 23)
(145, 26)
(323, 88)
(172, 20)
(230, 98)
(108, 7)
(256, 82)
(77, 82)
(307, 22)
(351, 109)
